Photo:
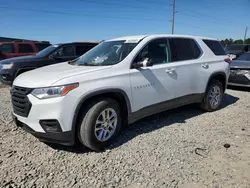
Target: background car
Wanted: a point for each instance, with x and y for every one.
(240, 71)
(237, 49)
(21, 48)
(11, 68)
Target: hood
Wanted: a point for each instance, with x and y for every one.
(19, 59)
(46, 76)
(240, 64)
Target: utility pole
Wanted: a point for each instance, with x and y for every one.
(173, 14)
(245, 35)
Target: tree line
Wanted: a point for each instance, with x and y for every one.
(231, 41)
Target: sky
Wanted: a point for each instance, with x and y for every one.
(75, 20)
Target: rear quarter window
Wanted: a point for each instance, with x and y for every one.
(215, 46)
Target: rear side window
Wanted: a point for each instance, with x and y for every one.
(6, 48)
(25, 48)
(215, 46)
(82, 49)
(183, 49)
(41, 46)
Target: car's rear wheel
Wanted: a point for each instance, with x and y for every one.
(100, 124)
(213, 96)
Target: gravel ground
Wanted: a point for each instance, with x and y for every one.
(179, 148)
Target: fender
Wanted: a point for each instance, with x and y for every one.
(217, 74)
(85, 98)
(26, 68)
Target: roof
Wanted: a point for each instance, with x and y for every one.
(88, 41)
(139, 37)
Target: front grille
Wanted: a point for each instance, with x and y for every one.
(20, 102)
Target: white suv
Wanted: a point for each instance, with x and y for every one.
(118, 82)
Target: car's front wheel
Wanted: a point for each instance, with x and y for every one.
(213, 96)
(100, 124)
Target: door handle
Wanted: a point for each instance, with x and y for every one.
(170, 71)
(205, 66)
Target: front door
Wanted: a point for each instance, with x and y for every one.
(174, 74)
(155, 84)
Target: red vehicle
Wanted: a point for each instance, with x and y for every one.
(21, 48)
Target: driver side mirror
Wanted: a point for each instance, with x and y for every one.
(146, 62)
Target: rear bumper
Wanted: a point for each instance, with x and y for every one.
(239, 85)
(65, 138)
(239, 80)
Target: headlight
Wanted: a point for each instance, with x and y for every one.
(7, 66)
(52, 92)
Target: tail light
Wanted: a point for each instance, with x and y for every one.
(228, 60)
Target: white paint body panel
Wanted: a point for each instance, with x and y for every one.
(144, 86)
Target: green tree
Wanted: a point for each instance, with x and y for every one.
(247, 41)
(239, 41)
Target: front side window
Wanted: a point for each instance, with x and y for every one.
(6, 48)
(107, 53)
(157, 51)
(183, 49)
(81, 49)
(25, 48)
(68, 50)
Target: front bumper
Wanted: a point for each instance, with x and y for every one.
(60, 109)
(66, 138)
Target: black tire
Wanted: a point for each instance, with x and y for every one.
(87, 122)
(206, 104)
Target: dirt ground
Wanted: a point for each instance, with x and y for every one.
(183, 148)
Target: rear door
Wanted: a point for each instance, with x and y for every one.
(186, 64)
(25, 49)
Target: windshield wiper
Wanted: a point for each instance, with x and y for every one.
(73, 61)
(88, 64)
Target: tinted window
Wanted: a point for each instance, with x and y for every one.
(215, 46)
(68, 50)
(235, 47)
(81, 49)
(41, 46)
(6, 48)
(25, 48)
(196, 49)
(157, 51)
(183, 49)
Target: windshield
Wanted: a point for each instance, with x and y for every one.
(107, 53)
(47, 51)
(244, 57)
